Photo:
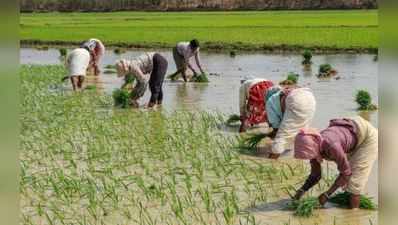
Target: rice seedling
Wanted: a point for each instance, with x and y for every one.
(119, 51)
(110, 66)
(232, 54)
(142, 167)
(307, 55)
(121, 97)
(343, 199)
(232, 120)
(364, 100)
(304, 207)
(292, 79)
(326, 70)
(62, 52)
(249, 144)
(201, 78)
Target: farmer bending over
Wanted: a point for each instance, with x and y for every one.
(77, 62)
(182, 54)
(351, 143)
(97, 50)
(147, 68)
(288, 110)
(251, 102)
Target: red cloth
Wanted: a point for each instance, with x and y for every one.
(256, 104)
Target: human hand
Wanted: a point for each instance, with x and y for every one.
(273, 155)
(323, 198)
(299, 193)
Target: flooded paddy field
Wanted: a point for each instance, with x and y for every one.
(139, 167)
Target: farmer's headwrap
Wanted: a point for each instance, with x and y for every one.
(307, 144)
(122, 67)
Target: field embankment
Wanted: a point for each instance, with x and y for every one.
(183, 5)
(353, 30)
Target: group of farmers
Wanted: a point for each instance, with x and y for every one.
(148, 69)
(352, 143)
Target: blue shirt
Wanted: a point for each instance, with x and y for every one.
(274, 110)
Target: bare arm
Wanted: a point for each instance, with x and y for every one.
(314, 177)
(197, 59)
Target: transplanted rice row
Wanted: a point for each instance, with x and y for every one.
(83, 161)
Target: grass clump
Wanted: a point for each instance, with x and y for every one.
(121, 97)
(307, 55)
(304, 207)
(201, 78)
(343, 199)
(233, 119)
(364, 100)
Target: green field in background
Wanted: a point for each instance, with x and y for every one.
(357, 29)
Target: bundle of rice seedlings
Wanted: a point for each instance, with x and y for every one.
(292, 78)
(326, 70)
(343, 199)
(118, 51)
(364, 100)
(233, 119)
(121, 97)
(63, 52)
(110, 66)
(304, 207)
(201, 78)
(250, 143)
(307, 55)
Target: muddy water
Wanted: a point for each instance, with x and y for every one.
(335, 98)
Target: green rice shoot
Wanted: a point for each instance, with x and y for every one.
(233, 120)
(121, 97)
(304, 207)
(343, 199)
(250, 143)
(201, 78)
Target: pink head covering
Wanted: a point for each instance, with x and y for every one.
(307, 144)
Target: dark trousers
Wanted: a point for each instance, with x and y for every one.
(157, 77)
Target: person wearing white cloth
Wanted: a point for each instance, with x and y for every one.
(182, 53)
(288, 110)
(77, 63)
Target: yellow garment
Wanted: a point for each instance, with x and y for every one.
(364, 155)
